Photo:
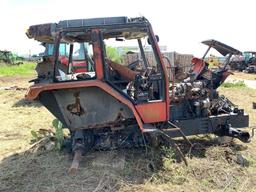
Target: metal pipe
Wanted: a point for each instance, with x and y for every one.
(227, 61)
(143, 54)
(70, 59)
(56, 55)
(206, 52)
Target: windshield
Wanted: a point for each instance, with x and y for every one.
(49, 48)
(133, 66)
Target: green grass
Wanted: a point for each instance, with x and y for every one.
(235, 84)
(24, 69)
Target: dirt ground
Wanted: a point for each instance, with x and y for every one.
(243, 76)
(212, 167)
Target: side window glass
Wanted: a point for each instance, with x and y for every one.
(64, 49)
(79, 65)
(78, 52)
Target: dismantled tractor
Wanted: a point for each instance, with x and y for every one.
(110, 105)
(245, 62)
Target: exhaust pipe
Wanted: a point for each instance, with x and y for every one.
(227, 130)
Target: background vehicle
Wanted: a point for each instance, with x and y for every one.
(246, 62)
(6, 57)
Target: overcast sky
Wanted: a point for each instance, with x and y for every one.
(181, 24)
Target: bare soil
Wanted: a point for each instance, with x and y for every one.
(212, 167)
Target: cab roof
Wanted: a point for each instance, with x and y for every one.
(46, 32)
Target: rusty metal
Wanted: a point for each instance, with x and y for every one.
(181, 132)
(126, 73)
(76, 108)
(75, 163)
(114, 125)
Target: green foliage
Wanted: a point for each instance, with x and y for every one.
(113, 54)
(58, 133)
(49, 135)
(17, 58)
(238, 84)
(35, 136)
(21, 70)
(168, 152)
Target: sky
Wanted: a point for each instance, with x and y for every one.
(180, 24)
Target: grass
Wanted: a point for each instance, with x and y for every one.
(242, 75)
(234, 84)
(24, 69)
(243, 97)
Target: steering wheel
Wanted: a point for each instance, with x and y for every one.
(134, 64)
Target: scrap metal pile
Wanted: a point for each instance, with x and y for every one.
(107, 105)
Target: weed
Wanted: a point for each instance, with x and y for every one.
(59, 136)
(168, 152)
(234, 84)
(35, 136)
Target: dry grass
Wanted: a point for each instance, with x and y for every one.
(211, 167)
(242, 75)
(18, 117)
(243, 97)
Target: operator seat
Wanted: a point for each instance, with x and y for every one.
(198, 66)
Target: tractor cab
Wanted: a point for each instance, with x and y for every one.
(250, 57)
(141, 81)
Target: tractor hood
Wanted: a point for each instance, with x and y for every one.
(221, 47)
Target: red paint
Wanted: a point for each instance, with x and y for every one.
(198, 65)
(35, 90)
(152, 112)
(162, 107)
(98, 56)
(82, 64)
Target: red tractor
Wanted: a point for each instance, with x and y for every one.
(110, 105)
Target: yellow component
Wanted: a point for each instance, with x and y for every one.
(213, 61)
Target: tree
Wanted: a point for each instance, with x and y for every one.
(113, 54)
